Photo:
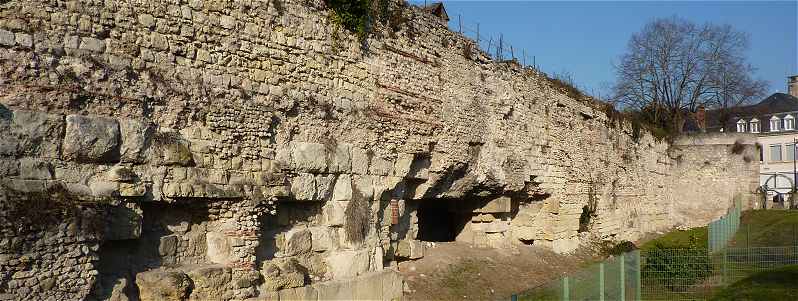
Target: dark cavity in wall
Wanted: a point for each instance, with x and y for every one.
(436, 222)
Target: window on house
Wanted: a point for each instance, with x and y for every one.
(775, 152)
(741, 126)
(754, 126)
(790, 155)
(775, 124)
(789, 122)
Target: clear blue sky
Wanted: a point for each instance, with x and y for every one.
(585, 38)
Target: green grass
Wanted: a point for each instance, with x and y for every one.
(679, 239)
(767, 228)
(779, 284)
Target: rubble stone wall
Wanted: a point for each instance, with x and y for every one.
(242, 148)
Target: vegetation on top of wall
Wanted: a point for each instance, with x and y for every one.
(353, 15)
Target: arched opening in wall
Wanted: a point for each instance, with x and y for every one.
(438, 223)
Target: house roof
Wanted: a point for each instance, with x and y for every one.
(777, 104)
(438, 9)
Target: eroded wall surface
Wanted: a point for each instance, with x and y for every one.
(236, 149)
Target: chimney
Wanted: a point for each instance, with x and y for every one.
(701, 118)
(792, 85)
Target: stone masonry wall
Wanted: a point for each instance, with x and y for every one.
(238, 149)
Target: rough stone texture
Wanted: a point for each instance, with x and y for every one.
(92, 139)
(162, 285)
(216, 118)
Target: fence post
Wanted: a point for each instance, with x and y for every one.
(566, 293)
(601, 281)
(723, 267)
(638, 277)
(623, 279)
(460, 23)
(477, 33)
(514, 297)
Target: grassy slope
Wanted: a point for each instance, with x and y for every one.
(776, 285)
(679, 239)
(768, 228)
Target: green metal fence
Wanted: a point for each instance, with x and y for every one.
(694, 274)
(616, 278)
(723, 230)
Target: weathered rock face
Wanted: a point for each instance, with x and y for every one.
(255, 147)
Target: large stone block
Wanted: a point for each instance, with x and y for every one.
(348, 264)
(210, 283)
(343, 188)
(33, 134)
(381, 167)
(91, 139)
(341, 160)
(163, 285)
(135, 137)
(303, 187)
(360, 161)
(300, 293)
(498, 205)
(334, 213)
(297, 241)
(308, 157)
(282, 274)
(219, 248)
(322, 238)
(34, 169)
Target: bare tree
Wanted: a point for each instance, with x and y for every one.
(673, 66)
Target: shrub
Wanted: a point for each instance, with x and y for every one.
(678, 267)
(353, 15)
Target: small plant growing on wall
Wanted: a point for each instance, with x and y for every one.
(356, 215)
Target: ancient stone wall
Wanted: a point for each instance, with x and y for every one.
(234, 149)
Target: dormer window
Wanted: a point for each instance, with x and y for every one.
(775, 124)
(753, 126)
(789, 122)
(741, 126)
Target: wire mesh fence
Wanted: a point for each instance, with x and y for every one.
(617, 278)
(723, 230)
(694, 274)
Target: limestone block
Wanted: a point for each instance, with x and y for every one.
(282, 273)
(322, 238)
(297, 241)
(118, 290)
(104, 188)
(175, 152)
(34, 133)
(219, 248)
(401, 167)
(308, 157)
(334, 213)
(91, 139)
(163, 285)
(167, 245)
(123, 222)
(92, 44)
(495, 226)
(120, 174)
(412, 249)
(367, 287)
(210, 282)
(300, 293)
(146, 20)
(9, 167)
(335, 290)
(348, 264)
(341, 161)
(381, 167)
(24, 39)
(6, 38)
(392, 285)
(34, 169)
(324, 187)
(360, 161)
(343, 188)
(501, 204)
(363, 187)
(303, 187)
(135, 139)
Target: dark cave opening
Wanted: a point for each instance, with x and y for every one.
(436, 222)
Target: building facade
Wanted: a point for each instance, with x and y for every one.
(773, 120)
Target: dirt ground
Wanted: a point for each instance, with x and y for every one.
(457, 271)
